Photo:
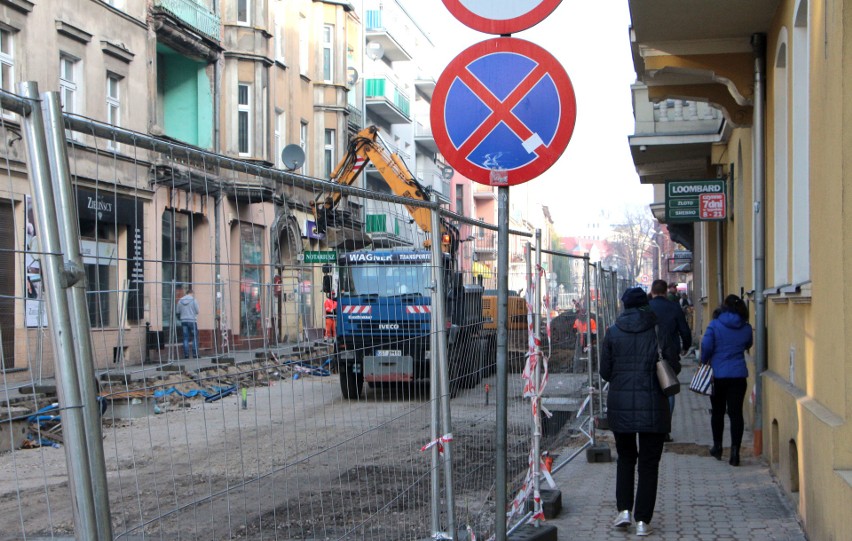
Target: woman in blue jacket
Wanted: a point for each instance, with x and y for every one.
(724, 344)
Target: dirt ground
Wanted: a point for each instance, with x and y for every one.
(299, 462)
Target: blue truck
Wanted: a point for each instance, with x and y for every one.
(384, 315)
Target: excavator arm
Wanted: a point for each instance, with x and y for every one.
(367, 146)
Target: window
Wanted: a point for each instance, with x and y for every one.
(251, 278)
(244, 119)
(303, 142)
(177, 264)
(7, 60)
(327, 53)
(280, 137)
(780, 184)
(100, 262)
(280, 37)
(113, 105)
(68, 83)
(329, 152)
(801, 230)
(304, 54)
(460, 199)
(243, 12)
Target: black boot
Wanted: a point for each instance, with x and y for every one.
(735, 455)
(716, 450)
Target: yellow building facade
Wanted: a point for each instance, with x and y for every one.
(777, 71)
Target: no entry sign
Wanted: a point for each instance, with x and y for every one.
(503, 111)
(501, 16)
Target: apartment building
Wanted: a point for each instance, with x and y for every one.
(751, 95)
(238, 78)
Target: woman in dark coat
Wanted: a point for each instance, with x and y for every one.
(636, 408)
(724, 344)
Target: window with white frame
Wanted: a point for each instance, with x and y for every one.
(7, 60)
(280, 137)
(113, 104)
(280, 37)
(801, 233)
(68, 81)
(303, 142)
(244, 119)
(328, 53)
(304, 53)
(329, 152)
(780, 181)
(243, 11)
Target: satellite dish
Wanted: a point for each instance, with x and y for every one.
(293, 157)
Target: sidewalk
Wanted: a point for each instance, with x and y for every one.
(698, 497)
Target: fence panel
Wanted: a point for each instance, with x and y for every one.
(255, 432)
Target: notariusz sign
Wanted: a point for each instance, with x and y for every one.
(695, 200)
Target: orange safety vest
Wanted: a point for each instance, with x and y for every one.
(330, 307)
(580, 326)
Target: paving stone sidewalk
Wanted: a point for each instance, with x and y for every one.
(698, 497)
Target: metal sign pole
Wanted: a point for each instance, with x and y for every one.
(500, 496)
(434, 390)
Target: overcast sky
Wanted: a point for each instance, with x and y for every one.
(591, 41)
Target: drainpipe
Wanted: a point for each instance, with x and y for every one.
(758, 42)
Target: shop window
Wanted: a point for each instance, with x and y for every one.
(100, 261)
(251, 280)
(177, 262)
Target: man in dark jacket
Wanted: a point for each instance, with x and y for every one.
(674, 333)
(636, 408)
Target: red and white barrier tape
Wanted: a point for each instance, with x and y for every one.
(446, 438)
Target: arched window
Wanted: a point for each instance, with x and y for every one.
(780, 211)
(801, 229)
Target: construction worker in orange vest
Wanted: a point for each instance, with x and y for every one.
(580, 327)
(330, 308)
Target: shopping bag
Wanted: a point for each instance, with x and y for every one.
(702, 380)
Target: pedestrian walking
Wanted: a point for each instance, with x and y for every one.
(724, 344)
(674, 333)
(187, 311)
(637, 409)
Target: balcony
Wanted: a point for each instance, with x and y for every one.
(193, 15)
(386, 230)
(423, 135)
(356, 119)
(387, 101)
(388, 28)
(483, 192)
(674, 138)
(485, 247)
(425, 85)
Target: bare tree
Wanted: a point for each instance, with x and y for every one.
(631, 239)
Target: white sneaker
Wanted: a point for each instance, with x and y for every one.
(622, 520)
(643, 529)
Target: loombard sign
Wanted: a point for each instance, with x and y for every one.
(695, 200)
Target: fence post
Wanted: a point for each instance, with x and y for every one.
(66, 215)
(59, 320)
(536, 459)
(588, 305)
(439, 356)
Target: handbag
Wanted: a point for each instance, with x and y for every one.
(702, 380)
(665, 373)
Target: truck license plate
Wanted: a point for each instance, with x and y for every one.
(388, 353)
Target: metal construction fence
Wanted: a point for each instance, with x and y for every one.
(191, 350)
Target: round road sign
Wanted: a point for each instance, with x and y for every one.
(503, 111)
(501, 17)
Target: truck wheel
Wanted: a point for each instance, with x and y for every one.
(351, 383)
